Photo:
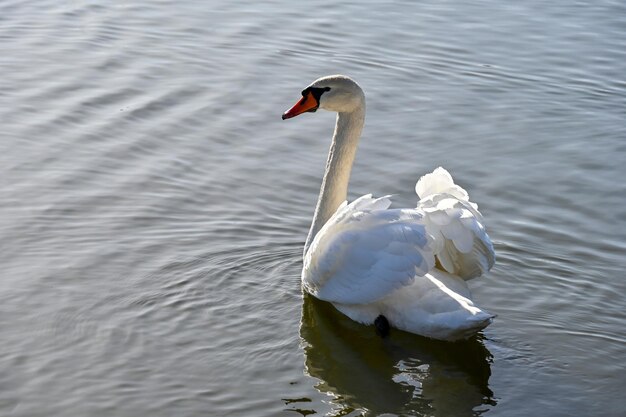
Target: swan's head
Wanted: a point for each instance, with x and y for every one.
(336, 93)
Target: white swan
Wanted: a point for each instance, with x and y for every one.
(404, 268)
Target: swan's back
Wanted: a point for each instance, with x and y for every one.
(369, 260)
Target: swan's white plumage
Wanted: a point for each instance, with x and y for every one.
(370, 260)
(409, 265)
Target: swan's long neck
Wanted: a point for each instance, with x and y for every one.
(338, 166)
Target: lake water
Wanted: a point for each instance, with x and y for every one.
(154, 204)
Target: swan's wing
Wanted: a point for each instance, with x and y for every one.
(460, 242)
(365, 251)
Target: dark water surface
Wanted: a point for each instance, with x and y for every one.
(154, 205)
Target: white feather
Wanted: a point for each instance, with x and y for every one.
(465, 250)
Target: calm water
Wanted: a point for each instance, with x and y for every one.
(154, 205)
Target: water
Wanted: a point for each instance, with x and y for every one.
(154, 205)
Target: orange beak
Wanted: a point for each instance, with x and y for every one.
(307, 103)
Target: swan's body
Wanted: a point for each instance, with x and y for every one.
(407, 265)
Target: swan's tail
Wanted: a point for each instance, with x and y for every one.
(461, 244)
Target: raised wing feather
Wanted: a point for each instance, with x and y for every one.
(460, 242)
(365, 251)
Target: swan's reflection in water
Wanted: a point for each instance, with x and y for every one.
(402, 374)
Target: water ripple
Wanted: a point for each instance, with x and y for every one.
(155, 206)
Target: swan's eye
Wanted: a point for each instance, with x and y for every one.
(326, 88)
